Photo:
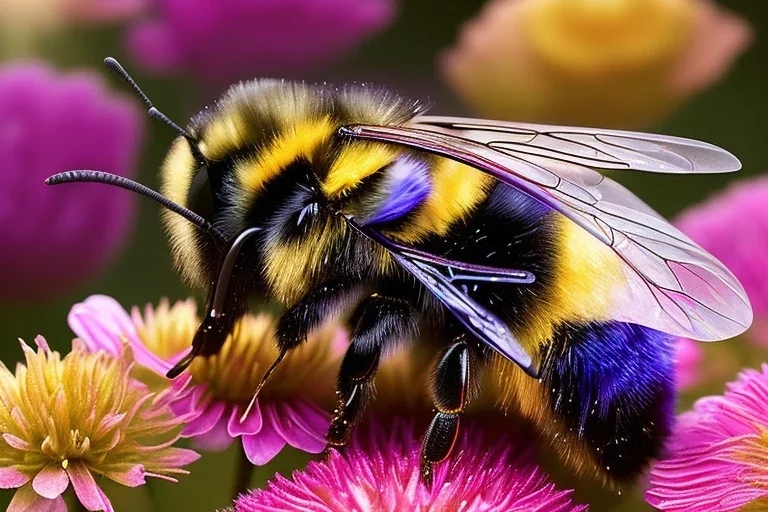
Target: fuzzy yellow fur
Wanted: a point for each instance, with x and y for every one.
(176, 176)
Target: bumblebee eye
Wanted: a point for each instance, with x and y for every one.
(200, 195)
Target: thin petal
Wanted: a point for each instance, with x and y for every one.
(251, 425)
(133, 476)
(51, 481)
(15, 442)
(10, 478)
(86, 488)
(262, 447)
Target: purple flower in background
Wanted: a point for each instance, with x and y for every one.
(380, 471)
(221, 41)
(733, 226)
(54, 238)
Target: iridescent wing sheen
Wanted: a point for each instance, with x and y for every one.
(672, 284)
(448, 280)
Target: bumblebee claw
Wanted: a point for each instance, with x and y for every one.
(182, 365)
(264, 380)
(427, 474)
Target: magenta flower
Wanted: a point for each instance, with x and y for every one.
(688, 355)
(221, 41)
(380, 471)
(70, 420)
(55, 238)
(720, 226)
(216, 391)
(718, 455)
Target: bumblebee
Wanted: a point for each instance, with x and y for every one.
(498, 241)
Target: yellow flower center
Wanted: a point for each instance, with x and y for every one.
(167, 330)
(234, 373)
(588, 37)
(83, 408)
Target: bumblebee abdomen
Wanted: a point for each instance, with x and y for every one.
(611, 385)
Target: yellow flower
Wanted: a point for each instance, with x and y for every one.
(69, 419)
(611, 63)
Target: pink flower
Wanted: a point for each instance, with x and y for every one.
(380, 471)
(622, 63)
(69, 420)
(55, 238)
(733, 226)
(216, 391)
(718, 455)
(688, 355)
(221, 41)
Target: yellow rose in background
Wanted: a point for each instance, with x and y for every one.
(611, 63)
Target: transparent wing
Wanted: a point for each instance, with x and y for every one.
(589, 147)
(672, 284)
(447, 281)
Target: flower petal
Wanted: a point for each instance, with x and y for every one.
(10, 478)
(216, 439)
(262, 447)
(100, 321)
(15, 442)
(211, 415)
(133, 476)
(51, 481)
(251, 425)
(299, 432)
(86, 488)
(27, 500)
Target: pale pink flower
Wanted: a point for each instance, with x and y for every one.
(380, 471)
(733, 226)
(71, 420)
(622, 63)
(718, 456)
(215, 392)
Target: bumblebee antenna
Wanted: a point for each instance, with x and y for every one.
(120, 71)
(264, 380)
(87, 176)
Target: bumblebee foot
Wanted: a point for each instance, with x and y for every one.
(450, 389)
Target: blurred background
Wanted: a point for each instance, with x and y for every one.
(688, 68)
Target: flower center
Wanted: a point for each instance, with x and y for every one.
(234, 373)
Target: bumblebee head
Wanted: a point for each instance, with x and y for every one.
(258, 186)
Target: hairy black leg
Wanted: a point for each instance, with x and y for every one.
(452, 385)
(380, 322)
(317, 306)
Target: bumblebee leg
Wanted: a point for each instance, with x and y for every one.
(309, 313)
(451, 385)
(380, 322)
(312, 310)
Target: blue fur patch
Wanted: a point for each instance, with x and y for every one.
(405, 187)
(613, 385)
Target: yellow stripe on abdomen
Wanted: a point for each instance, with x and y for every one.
(585, 278)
